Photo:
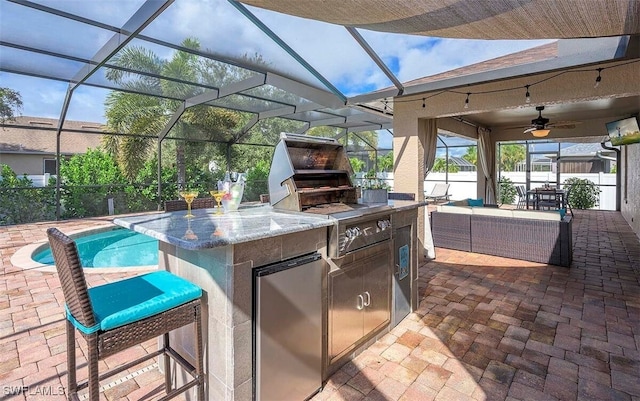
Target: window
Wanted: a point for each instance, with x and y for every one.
(50, 166)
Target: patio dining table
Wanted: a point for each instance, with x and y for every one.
(554, 198)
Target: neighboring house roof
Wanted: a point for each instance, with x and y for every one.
(585, 149)
(459, 161)
(538, 53)
(34, 135)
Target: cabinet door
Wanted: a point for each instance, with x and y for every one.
(345, 313)
(377, 288)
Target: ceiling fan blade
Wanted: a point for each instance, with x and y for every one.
(564, 124)
(529, 130)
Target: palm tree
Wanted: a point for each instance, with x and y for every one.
(145, 116)
(472, 155)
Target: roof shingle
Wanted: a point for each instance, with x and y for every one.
(38, 135)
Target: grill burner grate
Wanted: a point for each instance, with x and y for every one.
(329, 208)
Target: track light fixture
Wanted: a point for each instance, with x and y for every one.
(598, 78)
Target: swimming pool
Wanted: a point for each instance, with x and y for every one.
(117, 247)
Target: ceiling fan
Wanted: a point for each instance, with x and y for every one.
(540, 126)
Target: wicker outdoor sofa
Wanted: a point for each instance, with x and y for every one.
(536, 236)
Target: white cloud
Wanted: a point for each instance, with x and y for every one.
(418, 56)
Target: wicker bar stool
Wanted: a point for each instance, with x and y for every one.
(119, 315)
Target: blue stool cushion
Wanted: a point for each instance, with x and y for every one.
(136, 298)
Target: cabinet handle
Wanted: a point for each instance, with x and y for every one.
(368, 301)
(360, 304)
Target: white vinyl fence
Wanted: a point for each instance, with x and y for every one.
(464, 184)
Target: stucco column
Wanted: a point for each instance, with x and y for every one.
(409, 167)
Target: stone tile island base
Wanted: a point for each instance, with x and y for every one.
(225, 275)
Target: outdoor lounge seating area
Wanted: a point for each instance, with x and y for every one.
(538, 236)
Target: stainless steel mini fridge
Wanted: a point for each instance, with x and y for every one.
(288, 329)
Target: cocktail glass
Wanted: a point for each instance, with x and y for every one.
(189, 234)
(189, 196)
(217, 195)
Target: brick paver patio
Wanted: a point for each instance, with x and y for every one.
(488, 328)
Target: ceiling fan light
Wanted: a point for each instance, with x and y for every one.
(540, 133)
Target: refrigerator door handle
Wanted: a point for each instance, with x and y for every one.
(368, 301)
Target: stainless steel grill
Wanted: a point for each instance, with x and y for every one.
(309, 171)
(313, 175)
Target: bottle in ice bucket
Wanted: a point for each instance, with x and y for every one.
(234, 190)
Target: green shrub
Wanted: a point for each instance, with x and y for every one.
(507, 191)
(257, 181)
(87, 181)
(21, 202)
(583, 194)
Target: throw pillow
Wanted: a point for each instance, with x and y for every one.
(562, 212)
(476, 202)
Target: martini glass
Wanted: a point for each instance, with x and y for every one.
(189, 234)
(189, 196)
(217, 195)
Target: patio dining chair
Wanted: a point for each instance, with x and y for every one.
(567, 195)
(197, 203)
(522, 196)
(118, 315)
(440, 191)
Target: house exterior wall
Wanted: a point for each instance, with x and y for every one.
(630, 187)
(25, 163)
(595, 166)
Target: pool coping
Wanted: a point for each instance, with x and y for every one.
(22, 257)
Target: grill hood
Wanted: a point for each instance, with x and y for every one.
(308, 171)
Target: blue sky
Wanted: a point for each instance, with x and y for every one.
(330, 49)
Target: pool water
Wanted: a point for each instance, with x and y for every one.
(113, 248)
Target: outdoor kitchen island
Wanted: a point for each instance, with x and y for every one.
(219, 252)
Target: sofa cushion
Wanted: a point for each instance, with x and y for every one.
(489, 211)
(454, 209)
(476, 202)
(537, 214)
